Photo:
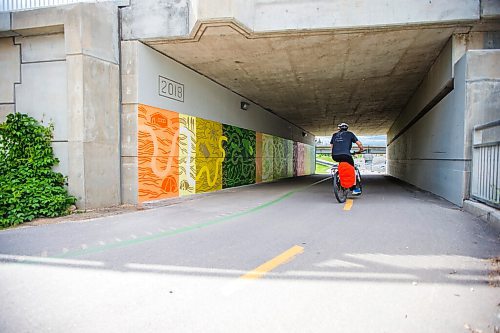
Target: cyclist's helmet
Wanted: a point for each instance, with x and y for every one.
(343, 126)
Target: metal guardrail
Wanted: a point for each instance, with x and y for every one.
(15, 5)
(368, 149)
(485, 164)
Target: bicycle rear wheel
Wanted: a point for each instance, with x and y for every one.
(338, 190)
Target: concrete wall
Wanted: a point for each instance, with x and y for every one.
(430, 154)
(179, 17)
(481, 70)
(202, 100)
(43, 60)
(490, 9)
(64, 66)
(265, 15)
(430, 143)
(10, 67)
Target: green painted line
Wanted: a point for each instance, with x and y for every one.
(163, 234)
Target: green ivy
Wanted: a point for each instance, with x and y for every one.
(28, 186)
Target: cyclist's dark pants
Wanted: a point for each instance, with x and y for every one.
(343, 158)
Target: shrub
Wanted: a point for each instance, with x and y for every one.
(28, 186)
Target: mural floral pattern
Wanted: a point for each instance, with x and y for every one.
(209, 155)
(258, 157)
(158, 132)
(239, 164)
(279, 160)
(267, 158)
(182, 155)
(187, 155)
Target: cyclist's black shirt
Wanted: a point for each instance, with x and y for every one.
(342, 142)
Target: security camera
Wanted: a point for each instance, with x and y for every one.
(244, 105)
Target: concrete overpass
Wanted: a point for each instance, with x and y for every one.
(425, 73)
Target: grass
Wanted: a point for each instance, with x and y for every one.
(322, 169)
(325, 157)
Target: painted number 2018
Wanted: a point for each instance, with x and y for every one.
(171, 89)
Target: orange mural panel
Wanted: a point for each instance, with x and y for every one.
(157, 153)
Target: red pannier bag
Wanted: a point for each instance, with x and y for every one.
(347, 175)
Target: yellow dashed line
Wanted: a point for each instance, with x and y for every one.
(348, 204)
(273, 263)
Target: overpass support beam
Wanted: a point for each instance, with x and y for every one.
(156, 19)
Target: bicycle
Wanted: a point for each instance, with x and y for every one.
(341, 192)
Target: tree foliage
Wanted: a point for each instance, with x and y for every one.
(29, 188)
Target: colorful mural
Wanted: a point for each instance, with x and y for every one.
(289, 158)
(181, 155)
(209, 155)
(279, 162)
(239, 165)
(157, 153)
(267, 158)
(258, 157)
(187, 155)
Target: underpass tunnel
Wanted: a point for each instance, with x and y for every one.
(195, 96)
(423, 85)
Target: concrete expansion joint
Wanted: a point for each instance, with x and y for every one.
(42, 61)
(482, 79)
(91, 56)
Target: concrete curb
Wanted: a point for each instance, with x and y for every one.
(486, 213)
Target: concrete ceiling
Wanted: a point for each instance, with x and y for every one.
(316, 79)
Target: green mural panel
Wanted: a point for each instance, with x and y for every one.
(238, 167)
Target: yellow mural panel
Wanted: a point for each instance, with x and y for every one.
(209, 155)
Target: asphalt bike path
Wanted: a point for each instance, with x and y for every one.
(279, 257)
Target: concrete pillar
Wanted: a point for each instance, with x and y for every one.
(481, 72)
(70, 75)
(93, 90)
(130, 90)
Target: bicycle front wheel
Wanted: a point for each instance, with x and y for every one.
(359, 184)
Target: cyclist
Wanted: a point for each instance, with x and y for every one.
(341, 144)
